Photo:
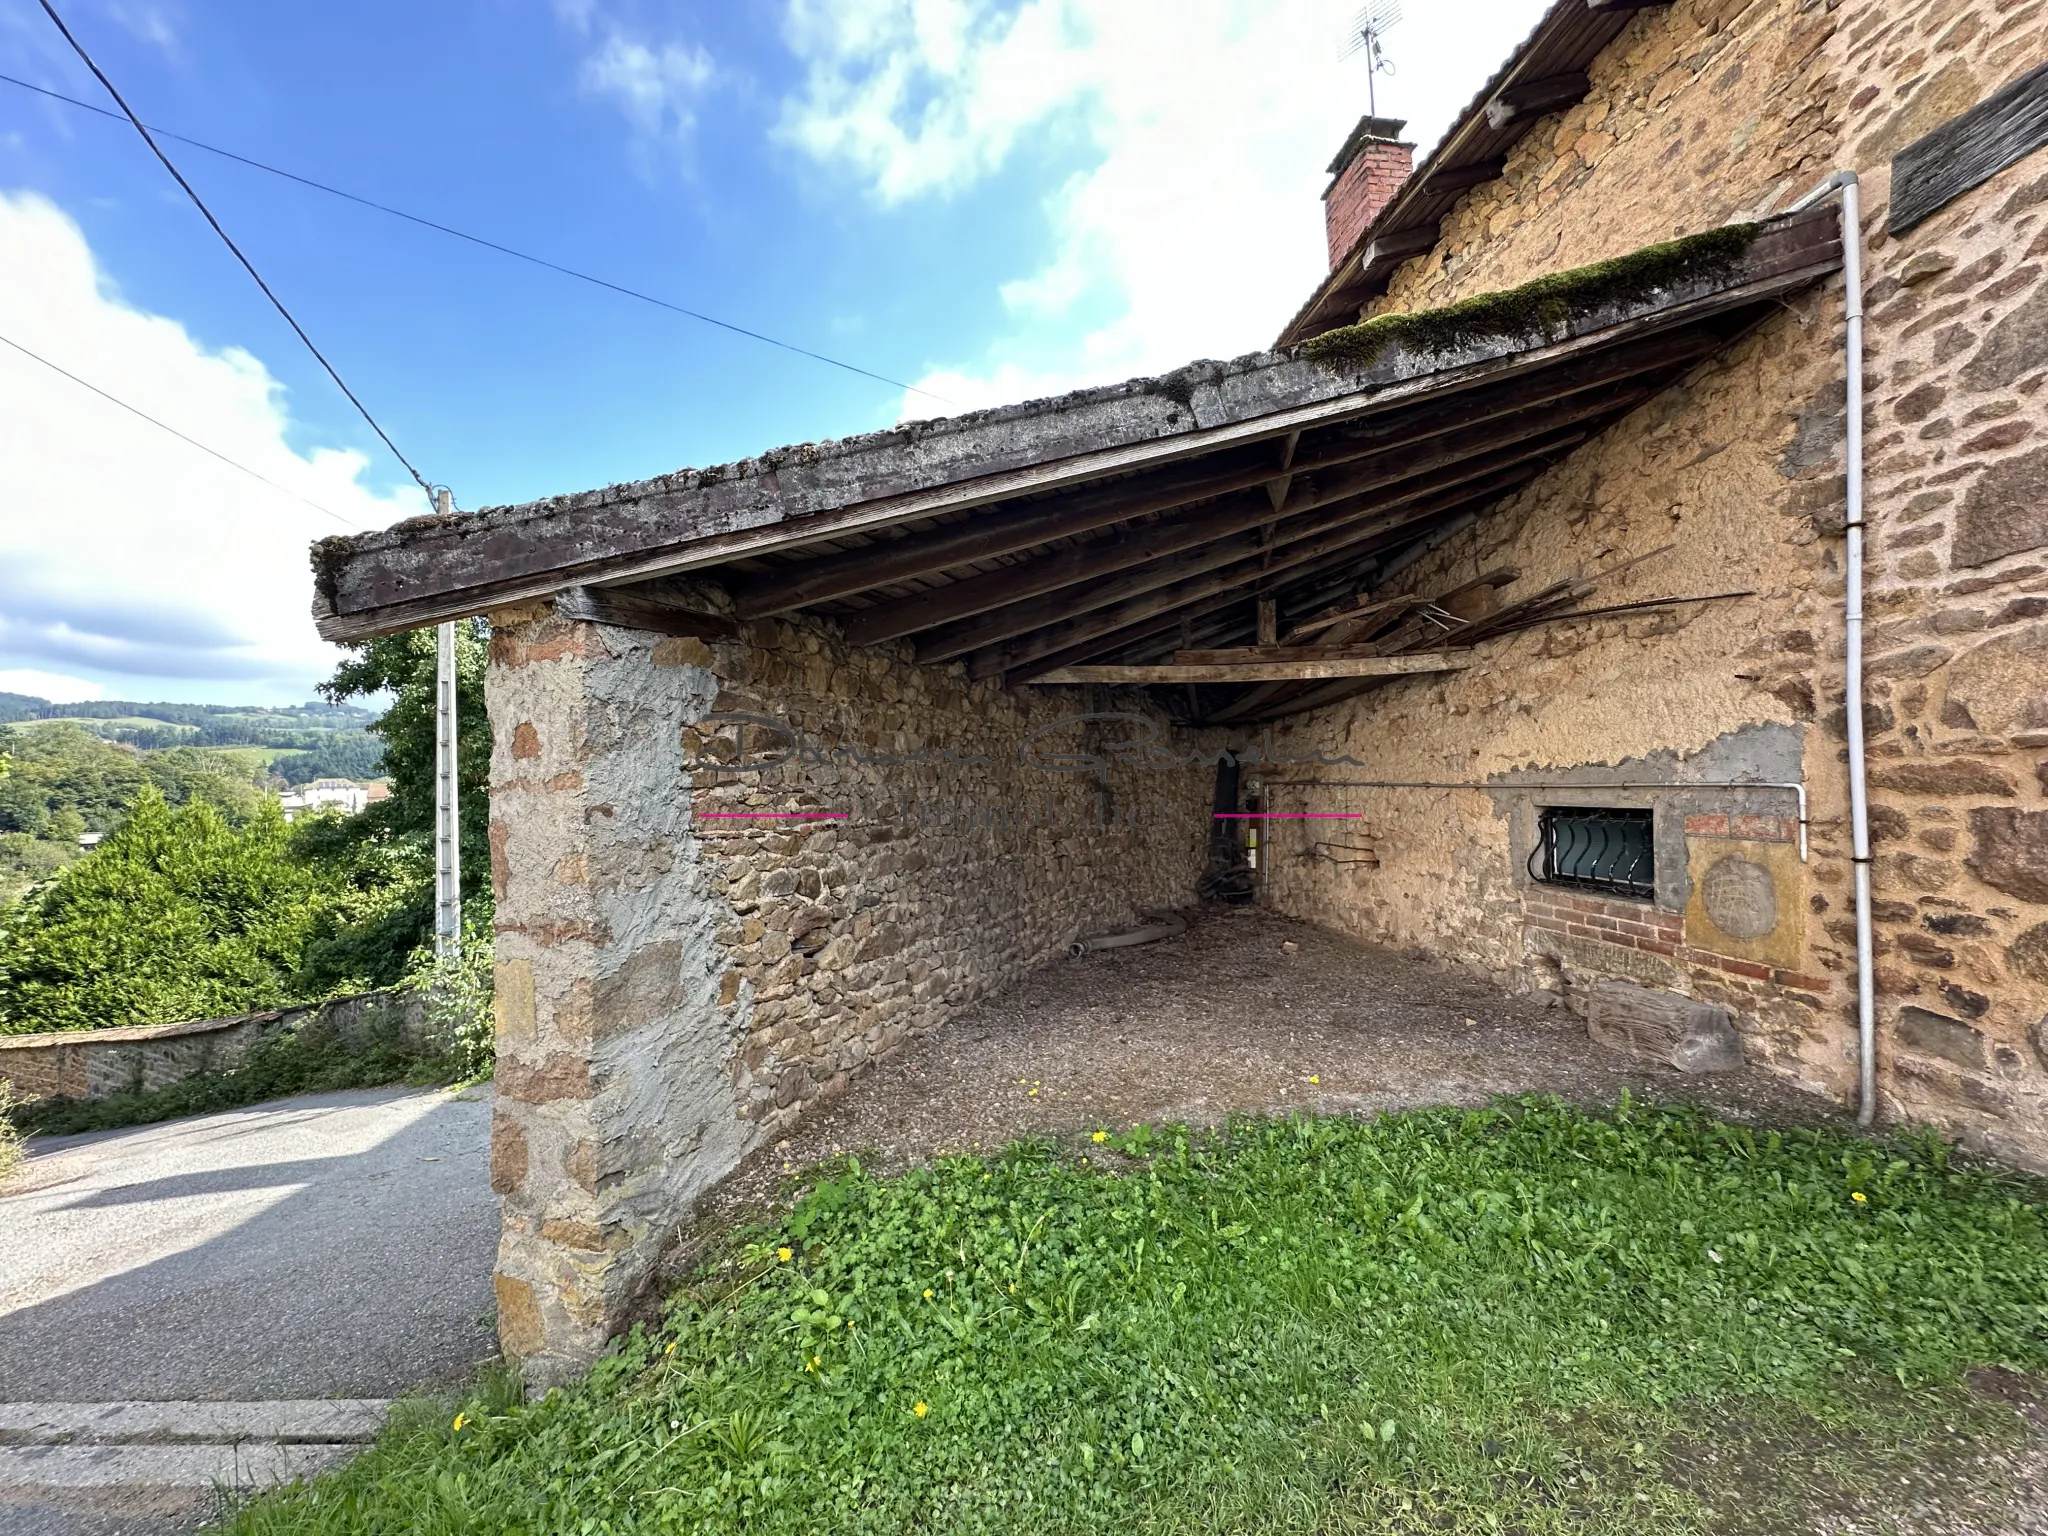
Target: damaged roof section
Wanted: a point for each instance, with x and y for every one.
(1117, 525)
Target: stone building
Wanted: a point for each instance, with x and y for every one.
(1526, 547)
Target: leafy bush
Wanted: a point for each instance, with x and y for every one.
(1442, 1321)
(180, 914)
(458, 996)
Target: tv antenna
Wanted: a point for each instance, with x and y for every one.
(1365, 35)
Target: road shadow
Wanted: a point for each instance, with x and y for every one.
(369, 1275)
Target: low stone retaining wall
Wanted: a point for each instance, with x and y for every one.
(93, 1063)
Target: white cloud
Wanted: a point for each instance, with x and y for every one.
(128, 557)
(659, 86)
(1196, 227)
(54, 686)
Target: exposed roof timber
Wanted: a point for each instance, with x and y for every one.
(1262, 671)
(435, 568)
(1394, 467)
(1462, 178)
(1019, 651)
(1563, 45)
(1298, 538)
(801, 583)
(1523, 103)
(1342, 566)
(642, 608)
(1002, 531)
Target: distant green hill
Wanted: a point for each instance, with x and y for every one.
(76, 768)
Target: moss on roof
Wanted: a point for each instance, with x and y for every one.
(1537, 309)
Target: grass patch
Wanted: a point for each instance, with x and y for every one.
(1539, 309)
(312, 1056)
(1524, 1319)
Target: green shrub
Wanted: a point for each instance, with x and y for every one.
(179, 914)
(1493, 1321)
(457, 994)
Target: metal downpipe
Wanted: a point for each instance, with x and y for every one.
(1844, 186)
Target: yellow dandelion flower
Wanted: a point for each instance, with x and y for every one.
(1859, 1197)
(1314, 1079)
(920, 1410)
(815, 1362)
(671, 1349)
(461, 1419)
(783, 1255)
(1100, 1136)
(927, 1294)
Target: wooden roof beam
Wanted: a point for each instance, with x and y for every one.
(1135, 572)
(1262, 671)
(996, 531)
(1019, 649)
(1084, 562)
(1532, 98)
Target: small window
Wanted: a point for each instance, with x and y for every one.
(1596, 850)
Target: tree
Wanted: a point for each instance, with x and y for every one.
(59, 781)
(386, 852)
(178, 914)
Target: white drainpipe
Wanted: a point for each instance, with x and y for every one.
(1843, 184)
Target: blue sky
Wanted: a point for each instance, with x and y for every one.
(990, 200)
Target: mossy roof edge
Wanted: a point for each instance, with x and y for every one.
(1539, 309)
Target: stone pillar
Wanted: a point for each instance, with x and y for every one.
(615, 1092)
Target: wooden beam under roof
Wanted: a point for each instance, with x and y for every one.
(1263, 671)
(1017, 651)
(1360, 514)
(1147, 628)
(998, 531)
(1009, 585)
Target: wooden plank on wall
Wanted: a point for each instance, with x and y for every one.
(1263, 671)
(1967, 151)
(626, 610)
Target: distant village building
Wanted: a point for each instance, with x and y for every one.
(1527, 552)
(342, 795)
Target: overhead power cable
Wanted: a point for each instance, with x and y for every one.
(247, 265)
(167, 427)
(493, 245)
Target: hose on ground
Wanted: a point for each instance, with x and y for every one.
(1166, 925)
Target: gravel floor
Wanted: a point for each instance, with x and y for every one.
(1246, 1012)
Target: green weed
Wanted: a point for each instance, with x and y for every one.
(1522, 1319)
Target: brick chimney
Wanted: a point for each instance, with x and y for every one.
(1368, 171)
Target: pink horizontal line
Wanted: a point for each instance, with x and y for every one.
(772, 815)
(1288, 815)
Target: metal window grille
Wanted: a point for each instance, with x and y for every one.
(1596, 850)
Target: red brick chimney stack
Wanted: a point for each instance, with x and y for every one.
(1369, 170)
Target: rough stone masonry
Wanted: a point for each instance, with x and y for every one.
(730, 875)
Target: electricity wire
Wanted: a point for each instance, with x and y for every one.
(493, 245)
(247, 265)
(167, 427)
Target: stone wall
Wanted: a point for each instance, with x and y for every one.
(730, 876)
(1705, 111)
(91, 1064)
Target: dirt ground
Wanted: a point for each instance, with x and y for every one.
(1246, 1012)
(1253, 1012)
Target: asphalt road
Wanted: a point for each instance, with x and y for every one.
(332, 1245)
